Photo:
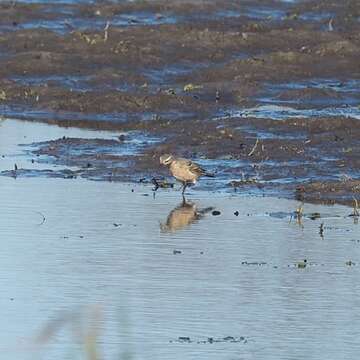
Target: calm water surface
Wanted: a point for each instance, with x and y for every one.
(104, 257)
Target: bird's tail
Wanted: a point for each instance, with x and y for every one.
(206, 210)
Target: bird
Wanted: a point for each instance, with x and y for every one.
(184, 170)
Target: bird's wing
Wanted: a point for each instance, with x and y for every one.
(195, 168)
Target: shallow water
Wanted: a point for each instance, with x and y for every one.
(335, 98)
(42, 150)
(280, 112)
(78, 83)
(105, 255)
(332, 92)
(65, 24)
(155, 278)
(28, 113)
(22, 140)
(68, 18)
(16, 132)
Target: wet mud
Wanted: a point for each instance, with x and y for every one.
(264, 94)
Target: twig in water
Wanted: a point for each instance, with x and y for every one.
(298, 215)
(299, 211)
(356, 208)
(69, 26)
(106, 31)
(157, 185)
(43, 217)
(254, 148)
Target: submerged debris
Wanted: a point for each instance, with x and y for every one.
(314, 216)
(246, 181)
(254, 263)
(302, 264)
(355, 212)
(43, 217)
(299, 212)
(254, 147)
(211, 340)
(161, 183)
(191, 87)
(184, 339)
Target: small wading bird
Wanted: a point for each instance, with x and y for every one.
(184, 170)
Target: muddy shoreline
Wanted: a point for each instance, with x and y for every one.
(200, 79)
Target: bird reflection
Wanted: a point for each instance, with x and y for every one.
(183, 215)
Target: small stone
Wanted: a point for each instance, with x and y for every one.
(217, 96)
(315, 216)
(228, 338)
(216, 213)
(175, 252)
(236, 213)
(184, 339)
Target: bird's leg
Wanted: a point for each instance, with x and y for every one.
(184, 187)
(184, 200)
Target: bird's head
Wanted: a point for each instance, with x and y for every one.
(166, 159)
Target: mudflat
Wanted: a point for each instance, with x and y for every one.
(264, 93)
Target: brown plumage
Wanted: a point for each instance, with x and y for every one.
(184, 170)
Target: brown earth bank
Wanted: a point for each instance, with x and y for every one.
(265, 93)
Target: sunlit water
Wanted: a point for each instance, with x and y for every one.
(16, 132)
(68, 18)
(110, 263)
(103, 245)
